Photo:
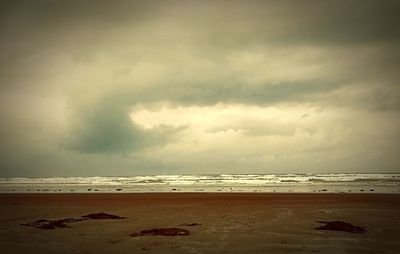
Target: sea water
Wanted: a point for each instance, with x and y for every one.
(336, 183)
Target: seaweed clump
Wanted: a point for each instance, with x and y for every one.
(162, 231)
(341, 226)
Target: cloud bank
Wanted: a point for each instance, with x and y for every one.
(143, 87)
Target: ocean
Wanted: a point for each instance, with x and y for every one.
(333, 183)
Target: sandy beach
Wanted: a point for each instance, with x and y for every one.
(215, 222)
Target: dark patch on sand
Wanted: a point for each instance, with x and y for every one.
(162, 231)
(51, 224)
(341, 226)
(189, 224)
(62, 223)
(102, 216)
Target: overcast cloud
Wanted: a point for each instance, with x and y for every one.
(164, 87)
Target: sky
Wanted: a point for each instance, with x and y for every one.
(108, 88)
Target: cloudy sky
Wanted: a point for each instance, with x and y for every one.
(165, 87)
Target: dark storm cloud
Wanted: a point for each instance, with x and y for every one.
(29, 28)
(352, 22)
(83, 28)
(219, 23)
(106, 128)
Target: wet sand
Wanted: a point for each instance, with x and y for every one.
(216, 223)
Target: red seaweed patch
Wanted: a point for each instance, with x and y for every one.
(189, 224)
(62, 223)
(102, 216)
(341, 226)
(162, 231)
(51, 224)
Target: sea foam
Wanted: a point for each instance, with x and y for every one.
(311, 182)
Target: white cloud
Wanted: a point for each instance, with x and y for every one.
(307, 135)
